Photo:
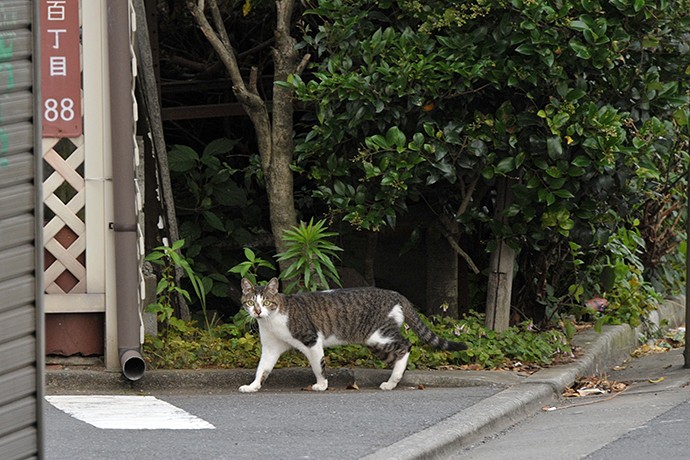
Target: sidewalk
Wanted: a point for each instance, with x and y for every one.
(517, 398)
(498, 412)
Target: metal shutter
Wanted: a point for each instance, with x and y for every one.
(21, 337)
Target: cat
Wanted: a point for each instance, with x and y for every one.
(311, 321)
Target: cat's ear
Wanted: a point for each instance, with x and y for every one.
(247, 286)
(273, 286)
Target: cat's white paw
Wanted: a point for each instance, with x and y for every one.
(388, 386)
(249, 388)
(323, 386)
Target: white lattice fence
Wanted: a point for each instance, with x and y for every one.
(65, 232)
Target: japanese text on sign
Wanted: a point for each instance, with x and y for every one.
(60, 68)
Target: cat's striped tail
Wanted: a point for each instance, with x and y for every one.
(427, 335)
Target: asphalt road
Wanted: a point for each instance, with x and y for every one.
(443, 420)
(650, 419)
(340, 424)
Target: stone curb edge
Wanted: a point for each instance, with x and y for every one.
(288, 379)
(514, 404)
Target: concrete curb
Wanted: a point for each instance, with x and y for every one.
(68, 380)
(505, 409)
(490, 415)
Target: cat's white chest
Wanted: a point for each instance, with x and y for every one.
(276, 326)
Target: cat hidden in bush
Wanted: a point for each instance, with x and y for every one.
(312, 321)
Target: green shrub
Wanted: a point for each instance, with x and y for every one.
(581, 105)
(236, 345)
(168, 258)
(311, 256)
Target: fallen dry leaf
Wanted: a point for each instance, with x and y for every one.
(421, 387)
(593, 385)
(619, 386)
(647, 349)
(353, 386)
(570, 393)
(591, 391)
(673, 338)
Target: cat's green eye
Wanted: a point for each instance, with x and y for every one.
(268, 303)
(250, 303)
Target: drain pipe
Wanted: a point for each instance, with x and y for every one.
(124, 211)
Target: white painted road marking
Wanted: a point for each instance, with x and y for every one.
(115, 412)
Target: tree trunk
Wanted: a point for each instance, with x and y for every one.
(274, 136)
(279, 181)
(500, 285)
(441, 275)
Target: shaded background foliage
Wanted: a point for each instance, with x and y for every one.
(414, 112)
(581, 105)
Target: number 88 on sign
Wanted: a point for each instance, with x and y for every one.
(60, 68)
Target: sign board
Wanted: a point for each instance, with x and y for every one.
(60, 68)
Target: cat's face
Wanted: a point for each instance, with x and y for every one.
(259, 301)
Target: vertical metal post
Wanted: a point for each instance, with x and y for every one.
(124, 210)
(686, 352)
(38, 236)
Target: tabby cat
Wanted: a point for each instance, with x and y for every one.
(314, 320)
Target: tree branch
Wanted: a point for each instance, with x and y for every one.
(284, 10)
(225, 53)
(467, 197)
(253, 80)
(447, 230)
(456, 247)
(303, 64)
(248, 97)
(220, 25)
